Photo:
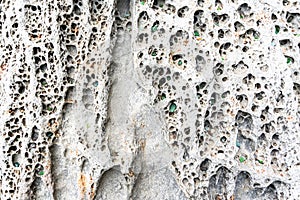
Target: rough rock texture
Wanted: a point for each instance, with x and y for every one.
(150, 99)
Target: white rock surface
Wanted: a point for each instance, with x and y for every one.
(150, 99)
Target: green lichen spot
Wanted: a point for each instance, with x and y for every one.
(277, 29)
(288, 60)
(44, 83)
(242, 159)
(238, 144)
(163, 96)
(179, 62)
(219, 8)
(261, 161)
(16, 164)
(154, 28)
(143, 2)
(196, 33)
(95, 84)
(154, 53)
(41, 173)
(202, 85)
(49, 134)
(127, 14)
(172, 107)
(212, 101)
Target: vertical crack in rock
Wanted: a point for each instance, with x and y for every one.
(135, 128)
(120, 126)
(57, 170)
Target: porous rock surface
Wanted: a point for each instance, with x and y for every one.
(150, 99)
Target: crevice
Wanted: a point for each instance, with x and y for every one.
(56, 170)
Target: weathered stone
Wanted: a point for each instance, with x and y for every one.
(149, 99)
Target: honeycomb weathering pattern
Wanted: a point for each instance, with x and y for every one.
(150, 99)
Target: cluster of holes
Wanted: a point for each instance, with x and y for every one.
(50, 89)
(34, 25)
(122, 16)
(31, 161)
(181, 11)
(250, 94)
(199, 21)
(161, 5)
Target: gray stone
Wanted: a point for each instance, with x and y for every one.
(149, 99)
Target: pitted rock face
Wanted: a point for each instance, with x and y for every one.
(150, 99)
